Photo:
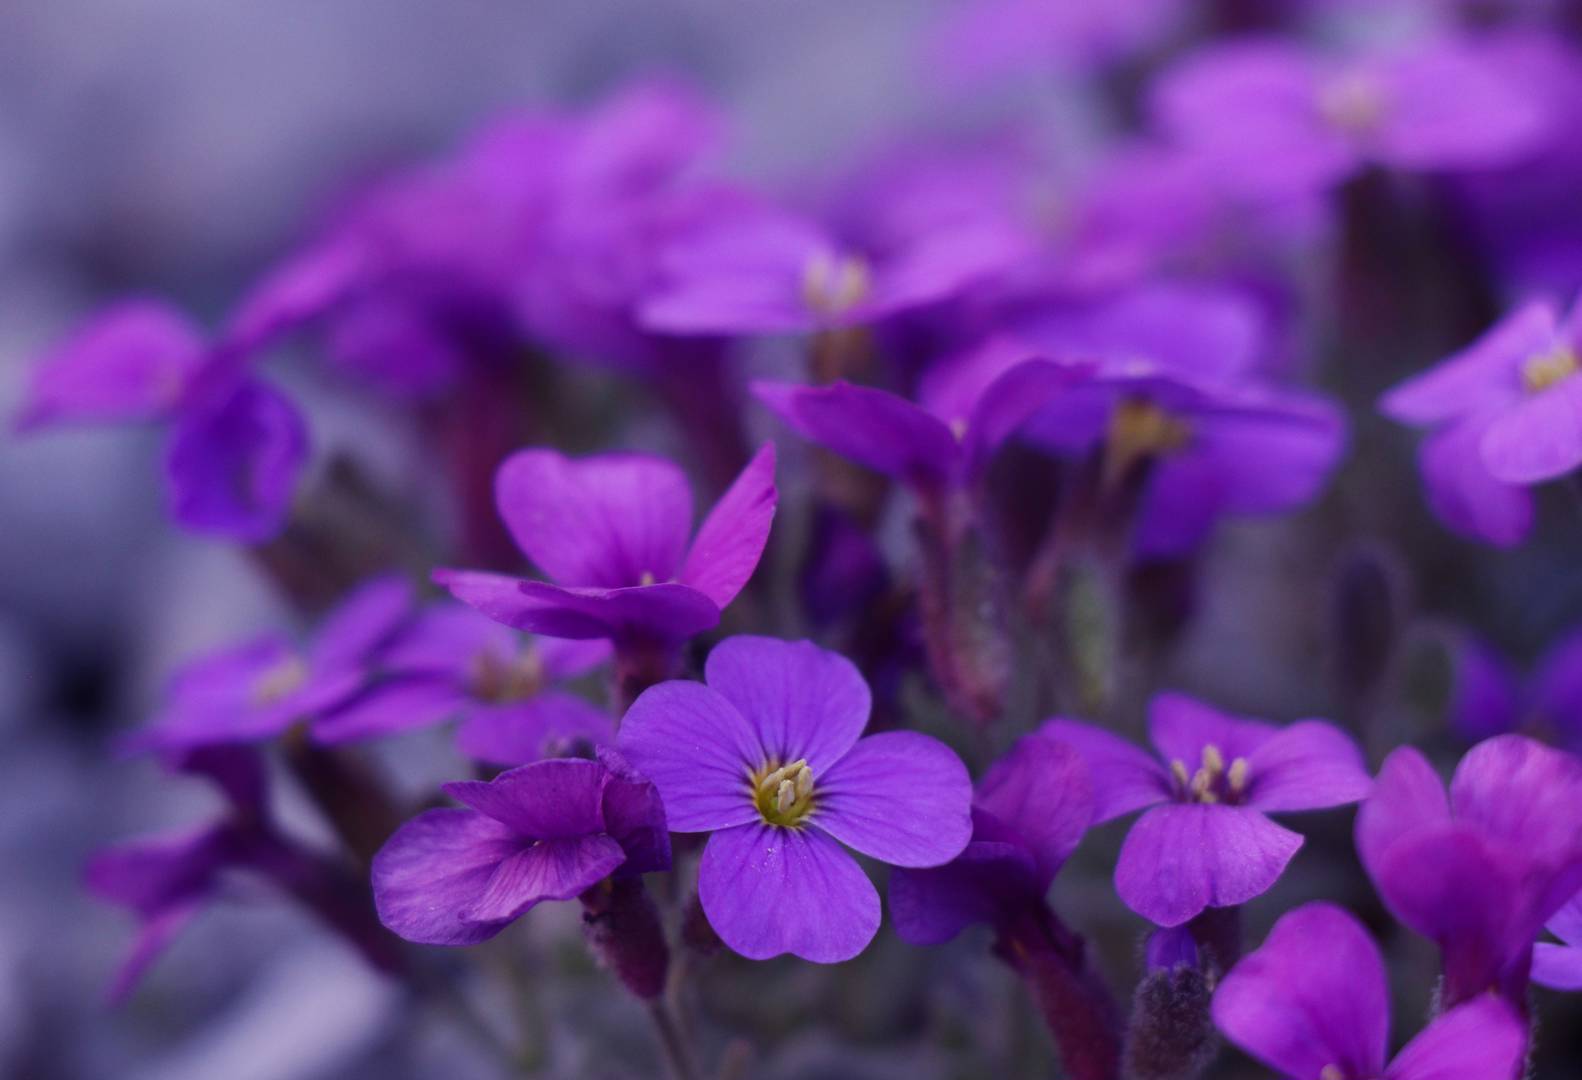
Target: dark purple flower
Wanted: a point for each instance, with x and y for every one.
(1313, 1004)
(1489, 698)
(546, 831)
(1559, 967)
(768, 758)
(1277, 119)
(1029, 812)
(1207, 841)
(612, 532)
(258, 690)
(453, 663)
(1502, 415)
(1480, 871)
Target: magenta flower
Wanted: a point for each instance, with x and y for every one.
(546, 831)
(453, 663)
(1480, 871)
(235, 445)
(612, 532)
(1278, 120)
(767, 756)
(1029, 812)
(1313, 1004)
(1502, 415)
(258, 690)
(1207, 840)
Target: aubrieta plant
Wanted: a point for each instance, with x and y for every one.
(1057, 406)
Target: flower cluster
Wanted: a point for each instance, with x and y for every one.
(1041, 420)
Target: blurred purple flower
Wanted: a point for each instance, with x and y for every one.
(1490, 699)
(1210, 843)
(1279, 120)
(546, 831)
(1559, 967)
(612, 532)
(1029, 812)
(1313, 1004)
(767, 757)
(990, 38)
(235, 445)
(258, 690)
(1502, 415)
(453, 663)
(1480, 871)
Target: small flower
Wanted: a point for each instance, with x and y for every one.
(1029, 812)
(1502, 416)
(546, 831)
(453, 663)
(1480, 871)
(612, 532)
(767, 757)
(1207, 841)
(1313, 1004)
(1489, 697)
(258, 690)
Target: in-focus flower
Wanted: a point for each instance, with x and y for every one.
(767, 756)
(612, 532)
(547, 831)
(1313, 1004)
(1489, 698)
(1479, 871)
(1029, 812)
(1501, 415)
(258, 690)
(235, 444)
(1206, 840)
(1278, 119)
(453, 663)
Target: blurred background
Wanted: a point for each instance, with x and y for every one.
(175, 147)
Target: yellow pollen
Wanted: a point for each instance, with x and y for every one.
(1236, 778)
(958, 428)
(783, 794)
(834, 284)
(1353, 103)
(1178, 770)
(280, 681)
(1140, 430)
(1203, 787)
(1213, 760)
(647, 578)
(504, 681)
(1545, 369)
(1331, 1072)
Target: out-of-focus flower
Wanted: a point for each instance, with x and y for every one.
(1313, 1003)
(235, 445)
(1029, 812)
(767, 757)
(1559, 967)
(1480, 871)
(258, 690)
(1502, 415)
(1207, 840)
(1278, 119)
(453, 663)
(1488, 698)
(612, 531)
(547, 831)
(991, 38)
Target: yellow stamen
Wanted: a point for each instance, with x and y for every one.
(1545, 369)
(280, 681)
(783, 794)
(1355, 103)
(958, 428)
(1331, 1072)
(504, 681)
(1178, 770)
(1140, 430)
(1236, 778)
(834, 284)
(647, 578)
(1213, 760)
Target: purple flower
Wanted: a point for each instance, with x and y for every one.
(612, 532)
(546, 831)
(1004, 37)
(1313, 1004)
(235, 446)
(453, 663)
(1480, 871)
(767, 757)
(1279, 120)
(1207, 841)
(1502, 415)
(258, 690)
(1489, 699)
(1029, 812)
(1559, 967)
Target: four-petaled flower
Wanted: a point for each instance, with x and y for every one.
(768, 758)
(1210, 843)
(1313, 1004)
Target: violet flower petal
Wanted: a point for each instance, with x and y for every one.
(1407, 796)
(1538, 438)
(731, 539)
(667, 610)
(902, 797)
(1042, 791)
(1309, 765)
(366, 619)
(769, 890)
(526, 731)
(1482, 1040)
(390, 706)
(1125, 776)
(1179, 859)
(871, 427)
(549, 870)
(698, 750)
(634, 815)
(557, 799)
(1181, 727)
(1559, 967)
(435, 867)
(1486, 371)
(1465, 495)
(930, 906)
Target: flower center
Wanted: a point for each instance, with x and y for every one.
(834, 284)
(1545, 369)
(1212, 782)
(1139, 430)
(783, 794)
(1354, 103)
(504, 681)
(1331, 1072)
(280, 681)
